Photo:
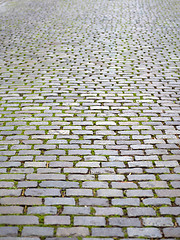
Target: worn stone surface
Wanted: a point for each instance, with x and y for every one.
(89, 119)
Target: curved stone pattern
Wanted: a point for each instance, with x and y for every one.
(90, 119)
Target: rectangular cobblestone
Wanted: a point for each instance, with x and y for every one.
(42, 192)
(38, 231)
(45, 176)
(107, 232)
(144, 232)
(89, 221)
(109, 193)
(9, 231)
(76, 210)
(158, 221)
(108, 211)
(93, 202)
(170, 211)
(125, 222)
(156, 201)
(59, 201)
(79, 192)
(126, 202)
(20, 201)
(168, 192)
(42, 210)
(56, 220)
(59, 184)
(72, 231)
(172, 232)
(11, 210)
(140, 211)
(21, 220)
(139, 193)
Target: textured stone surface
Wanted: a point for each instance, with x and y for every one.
(144, 232)
(89, 119)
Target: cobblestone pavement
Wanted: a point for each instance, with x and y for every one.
(90, 120)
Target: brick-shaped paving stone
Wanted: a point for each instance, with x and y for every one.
(157, 221)
(89, 120)
(144, 232)
(38, 231)
(8, 231)
(72, 231)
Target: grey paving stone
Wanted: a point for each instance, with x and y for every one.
(141, 211)
(8, 231)
(79, 192)
(177, 169)
(124, 185)
(158, 221)
(93, 202)
(175, 184)
(37, 231)
(19, 238)
(94, 184)
(171, 232)
(88, 164)
(157, 201)
(177, 201)
(168, 192)
(157, 170)
(27, 184)
(130, 171)
(42, 210)
(126, 201)
(153, 184)
(11, 210)
(12, 176)
(10, 192)
(59, 201)
(76, 210)
(56, 220)
(54, 152)
(144, 232)
(21, 201)
(45, 176)
(105, 211)
(166, 163)
(42, 192)
(110, 177)
(107, 232)
(61, 238)
(140, 164)
(79, 152)
(178, 220)
(95, 158)
(80, 177)
(170, 211)
(102, 171)
(4, 184)
(125, 222)
(59, 184)
(141, 177)
(170, 177)
(139, 193)
(96, 238)
(109, 193)
(21, 220)
(76, 170)
(89, 221)
(72, 231)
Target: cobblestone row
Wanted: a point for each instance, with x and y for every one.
(90, 120)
